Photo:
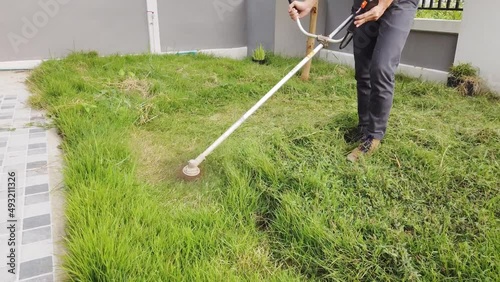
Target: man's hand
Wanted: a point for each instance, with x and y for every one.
(298, 10)
(374, 14)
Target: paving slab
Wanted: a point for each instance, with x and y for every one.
(31, 153)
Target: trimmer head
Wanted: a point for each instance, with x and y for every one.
(190, 172)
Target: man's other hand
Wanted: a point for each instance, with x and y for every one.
(373, 15)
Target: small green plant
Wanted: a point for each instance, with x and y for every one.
(463, 70)
(465, 78)
(259, 54)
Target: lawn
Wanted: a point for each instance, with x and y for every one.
(278, 201)
(439, 15)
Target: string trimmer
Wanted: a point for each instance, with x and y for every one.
(192, 170)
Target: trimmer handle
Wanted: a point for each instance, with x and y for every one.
(366, 6)
(323, 38)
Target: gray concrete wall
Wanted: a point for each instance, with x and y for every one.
(200, 24)
(52, 28)
(260, 24)
(430, 50)
(479, 42)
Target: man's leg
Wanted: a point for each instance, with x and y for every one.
(364, 40)
(394, 28)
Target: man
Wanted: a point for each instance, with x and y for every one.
(379, 38)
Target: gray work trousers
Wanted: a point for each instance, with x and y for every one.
(377, 53)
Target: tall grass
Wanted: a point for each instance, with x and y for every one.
(278, 201)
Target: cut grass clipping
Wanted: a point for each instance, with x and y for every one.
(278, 201)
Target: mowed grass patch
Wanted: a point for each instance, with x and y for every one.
(278, 201)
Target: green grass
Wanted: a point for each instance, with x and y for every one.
(439, 15)
(278, 201)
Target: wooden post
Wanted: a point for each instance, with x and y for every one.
(310, 41)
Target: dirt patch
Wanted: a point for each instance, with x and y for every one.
(134, 85)
(152, 157)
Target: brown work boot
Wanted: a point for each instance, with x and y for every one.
(366, 148)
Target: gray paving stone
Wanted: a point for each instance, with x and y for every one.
(36, 221)
(37, 209)
(20, 131)
(36, 114)
(15, 167)
(37, 146)
(38, 140)
(36, 250)
(17, 148)
(37, 119)
(23, 112)
(37, 130)
(4, 231)
(20, 121)
(42, 179)
(35, 267)
(36, 235)
(38, 135)
(36, 189)
(6, 276)
(43, 278)
(18, 142)
(7, 124)
(37, 151)
(36, 165)
(23, 141)
(35, 199)
(15, 154)
(37, 158)
(15, 160)
(37, 172)
(18, 189)
(20, 113)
